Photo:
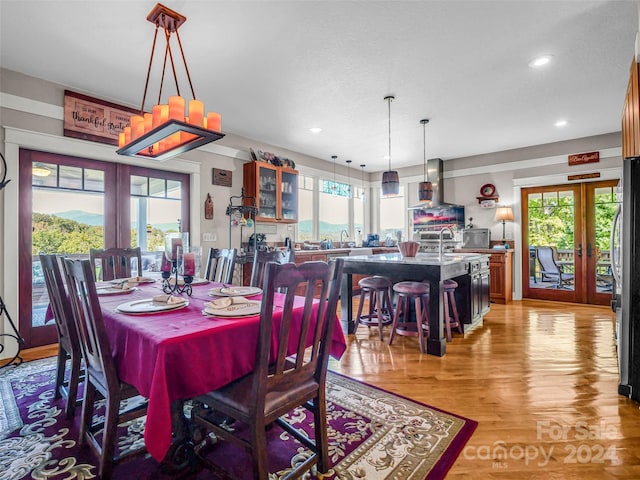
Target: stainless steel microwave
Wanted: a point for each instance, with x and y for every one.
(476, 238)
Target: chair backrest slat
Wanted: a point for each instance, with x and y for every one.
(221, 265)
(115, 262)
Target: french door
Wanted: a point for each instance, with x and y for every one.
(68, 205)
(566, 232)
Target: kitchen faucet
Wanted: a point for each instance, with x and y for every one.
(347, 235)
(441, 246)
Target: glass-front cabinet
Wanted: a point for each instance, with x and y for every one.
(275, 189)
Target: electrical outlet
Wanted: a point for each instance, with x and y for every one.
(208, 237)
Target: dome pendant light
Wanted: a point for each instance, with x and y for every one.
(425, 188)
(390, 179)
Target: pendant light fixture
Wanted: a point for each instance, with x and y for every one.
(334, 186)
(390, 180)
(169, 130)
(425, 188)
(348, 178)
(362, 179)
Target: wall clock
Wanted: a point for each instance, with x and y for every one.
(488, 190)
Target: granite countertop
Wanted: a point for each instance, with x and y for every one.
(419, 259)
(347, 251)
(489, 251)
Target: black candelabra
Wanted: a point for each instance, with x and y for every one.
(170, 285)
(15, 335)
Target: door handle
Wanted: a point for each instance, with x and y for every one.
(589, 250)
(580, 250)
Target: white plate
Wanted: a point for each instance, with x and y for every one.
(134, 280)
(235, 291)
(149, 306)
(252, 307)
(106, 290)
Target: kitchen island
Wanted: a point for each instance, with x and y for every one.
(428, 267)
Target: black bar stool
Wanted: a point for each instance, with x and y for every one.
(378, 290)
(419, 293)
(450, 307)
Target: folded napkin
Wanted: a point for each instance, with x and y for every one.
(168, 299)
(122, 285)
(226, 302)
(139, 280)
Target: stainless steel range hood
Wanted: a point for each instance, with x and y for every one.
(435, 176)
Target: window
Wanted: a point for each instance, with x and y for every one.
(155, 211)
(305, 208)
(392, 214)
(358, 210)
(333, 212)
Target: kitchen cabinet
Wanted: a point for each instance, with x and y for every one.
(500, 265)
(631, 115)
(472, 294)
(275, 190)
(501, 268)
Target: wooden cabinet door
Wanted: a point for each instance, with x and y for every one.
(631, 115)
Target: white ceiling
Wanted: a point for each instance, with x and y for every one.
(276, 68)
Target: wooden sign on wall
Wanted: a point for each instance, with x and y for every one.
(89, 118)
(581, 158)
(222, 177)
(583, 176)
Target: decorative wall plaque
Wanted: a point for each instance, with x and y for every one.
(89, 118)
(580, 158)
(222, 177)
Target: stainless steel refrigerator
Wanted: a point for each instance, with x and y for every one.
(625, 255)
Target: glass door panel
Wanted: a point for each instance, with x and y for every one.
(550, 238)
(289, 187)
(64, 223)
(603, 201)
(267, 194)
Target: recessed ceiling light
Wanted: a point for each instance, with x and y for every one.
(40, 171)
(315, 129)
(561, 123)
(540, 61)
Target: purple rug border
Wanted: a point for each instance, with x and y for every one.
(444, 464)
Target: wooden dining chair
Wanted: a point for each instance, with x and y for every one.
(262, 257)
(294, 377)
(115, 262)
(220, 265)
(68, 342)
(101, 377)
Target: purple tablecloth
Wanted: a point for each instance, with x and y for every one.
(180, 354)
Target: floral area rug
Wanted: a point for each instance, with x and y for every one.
(373, 435)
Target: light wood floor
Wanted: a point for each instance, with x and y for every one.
(539, 377)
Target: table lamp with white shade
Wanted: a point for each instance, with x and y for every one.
(504, 214)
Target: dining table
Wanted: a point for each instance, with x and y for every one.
(175, 354)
